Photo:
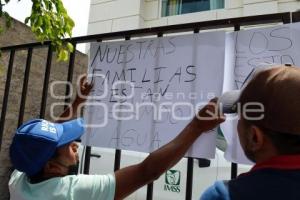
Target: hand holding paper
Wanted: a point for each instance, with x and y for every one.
(208, 117)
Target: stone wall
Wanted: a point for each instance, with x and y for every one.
(19, 34)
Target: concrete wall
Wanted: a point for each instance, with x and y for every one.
(116, 15)
(19, 34)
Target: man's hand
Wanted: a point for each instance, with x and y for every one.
(84, 89)
(208, 117)
(168, 155)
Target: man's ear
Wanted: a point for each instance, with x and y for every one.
(256, 138)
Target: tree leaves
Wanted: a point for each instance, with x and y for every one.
(49, 20)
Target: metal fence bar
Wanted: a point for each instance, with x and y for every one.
(6, 93)
(46, 82)
(234, 170)
(295, 17)
(149, 195)
(205, 25)
(149, 191)
(25, 86)
(286, 17)
(234, 166)
(87, 160)
(117, 159)
(190, 165)
(70, 78)
(189, 179)
(70, 75)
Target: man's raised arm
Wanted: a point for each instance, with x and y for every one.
(133, 177)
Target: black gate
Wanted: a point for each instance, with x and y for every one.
(234, 23)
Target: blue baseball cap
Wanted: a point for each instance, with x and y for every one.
(36, 141)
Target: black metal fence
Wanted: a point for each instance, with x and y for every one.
(234, 23)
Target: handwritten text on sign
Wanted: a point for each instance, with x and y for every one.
(259, 47)
(146, 91)
(247, 50)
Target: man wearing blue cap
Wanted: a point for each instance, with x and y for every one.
(269, 133)
(45, 155)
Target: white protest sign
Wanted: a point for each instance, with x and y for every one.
(147, 90)
(249, 49)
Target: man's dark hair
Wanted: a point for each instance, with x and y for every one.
(285, 143)
(277, 91)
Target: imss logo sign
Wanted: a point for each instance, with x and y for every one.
(172, 181)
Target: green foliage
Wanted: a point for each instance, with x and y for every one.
(7, 18)
(49, 20)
